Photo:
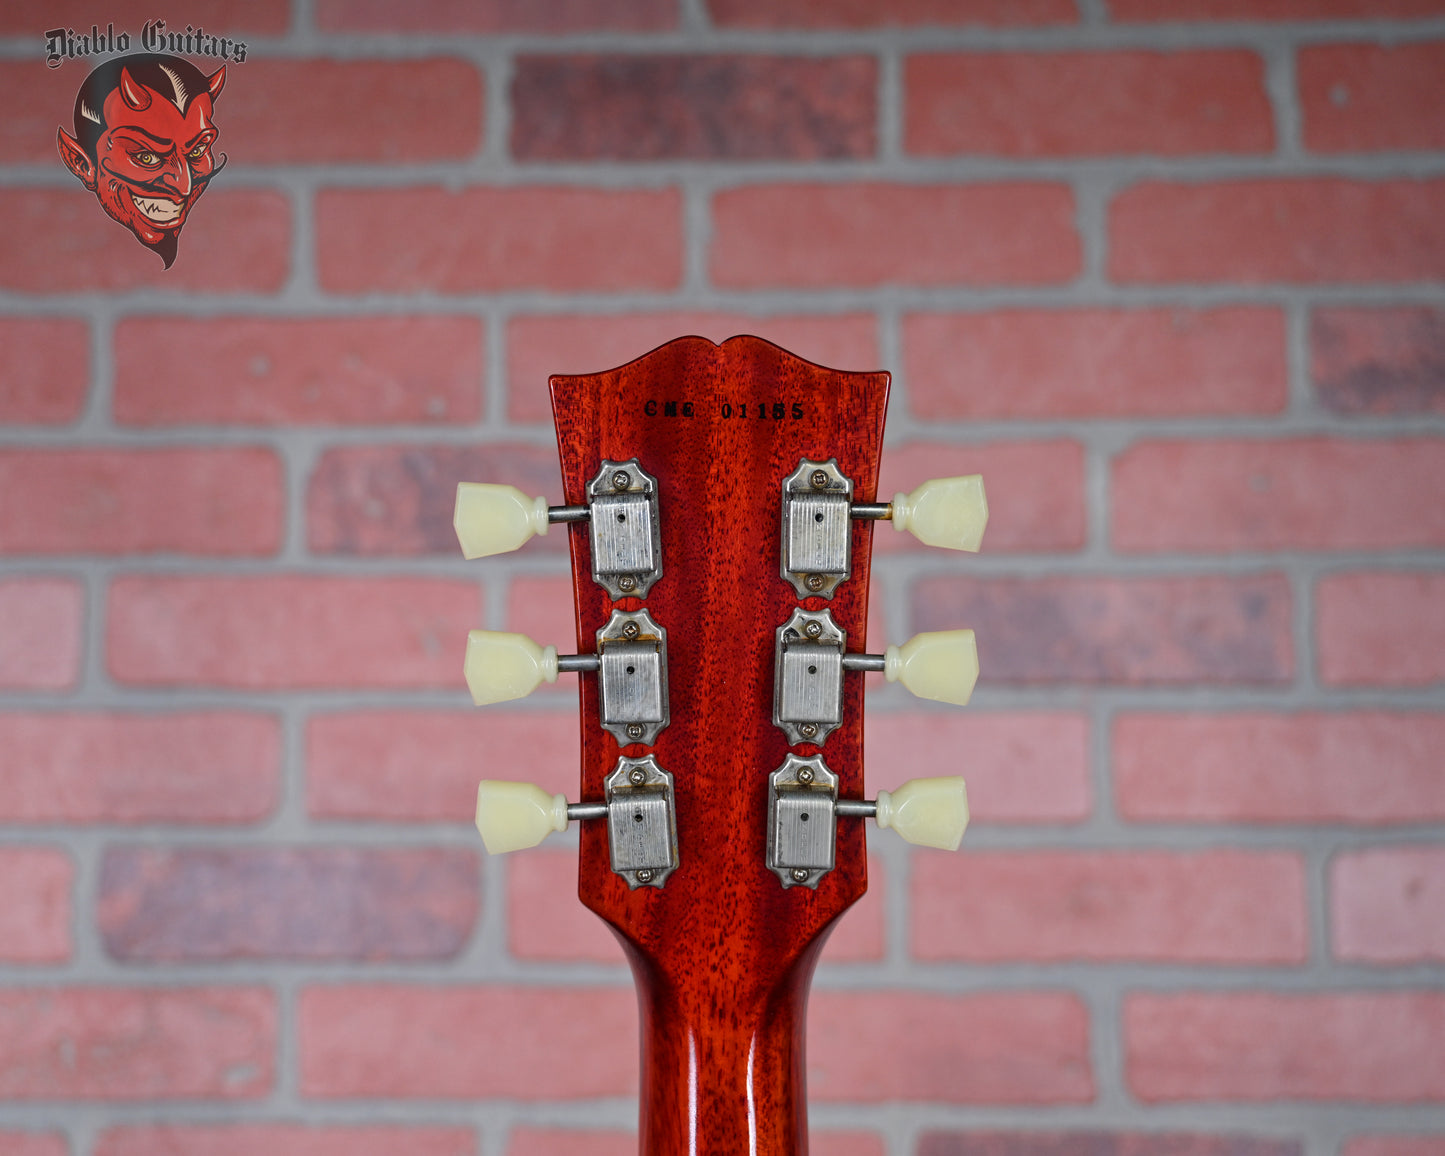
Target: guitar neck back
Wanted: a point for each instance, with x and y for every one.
(722, 953)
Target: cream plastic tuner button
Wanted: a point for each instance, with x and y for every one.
(941, 665)
(513, 816)
(500, 666)
(926, 812)
(947, 512)
(493, 519)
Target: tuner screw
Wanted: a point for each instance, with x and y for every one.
(800, 875)
(644, 876)
(637, 776)
(813, 629)
(634, 730)
(819, 479)
(621, 480)
(627, 582)
(805, 774)
(814, 582)
(629, 630)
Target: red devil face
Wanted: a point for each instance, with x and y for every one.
(152, 160)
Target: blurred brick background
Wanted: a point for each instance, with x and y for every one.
(1168, 272)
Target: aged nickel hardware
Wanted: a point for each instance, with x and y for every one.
(804, 809)
(621, 510)
(625, 530)
(808, 665)
(641, 822)
(631, 664)
(810, 657)
(640, 811)
(802, 796)
(817, 532)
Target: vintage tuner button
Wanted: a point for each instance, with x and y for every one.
(492, 519)
(501, 666)
(926, 812)
(513, 816)
(946, 512)
(941, 665)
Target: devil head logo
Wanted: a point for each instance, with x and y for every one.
(142, 143)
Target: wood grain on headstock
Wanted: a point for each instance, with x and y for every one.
(722, 955)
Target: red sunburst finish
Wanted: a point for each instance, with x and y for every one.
(722, 955)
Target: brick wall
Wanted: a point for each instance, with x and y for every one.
(1168, 272)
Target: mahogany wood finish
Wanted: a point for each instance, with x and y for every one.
(723, 955)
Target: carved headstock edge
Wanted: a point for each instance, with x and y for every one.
(723, 954)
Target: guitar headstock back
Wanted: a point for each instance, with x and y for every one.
(720, 427)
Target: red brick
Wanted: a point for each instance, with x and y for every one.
(1017, 1047)
(1131, 631)
(1367, 98)
(196, 767)
(563, 239)
(884, 13)
(787, 236)
(1380, 629)
(546, 922)
(1394, 1146)
(974, 1143)
(1387, 905)
(1217, 907)
(399, 1042)
(1047, 363)
(44, 370)
(33, 1144)
(494, 16)
(1297, 494)
(1021, 766)
(567, 1142)
(542, 607)
(137, 1044)
(288, 631)
(35, 917)
(62, 242)
(1379, 361)
(1377, 1046)
(223, 903)
(1047, 104)
(292, 1139)
(398, 500)
(37, 101)
(423, 766)
(288, 111)
(40, 621)
(152, 501)
(1035, 491)
(253, 17)
(1303, 230)
(712, 107)
(1272, 9)
(540, 346)
(311, 371)
(1361, 767)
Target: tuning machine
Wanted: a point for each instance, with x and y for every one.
(818, 508)
(631, 663)
(640, 810)
(810, 659)
(621, 511)
(804, 809)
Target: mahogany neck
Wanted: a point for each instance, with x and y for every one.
(723, 1071)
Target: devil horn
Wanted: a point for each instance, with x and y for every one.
(216, 81)
(134, 95)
